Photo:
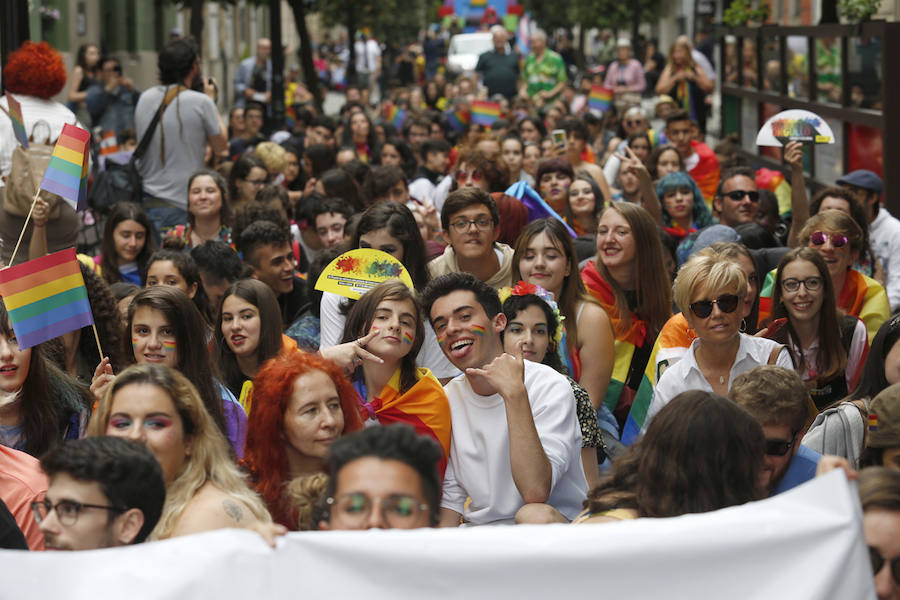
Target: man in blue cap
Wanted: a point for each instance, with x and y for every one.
(884, 229)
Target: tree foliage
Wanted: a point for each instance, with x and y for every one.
(602, 14)
(397, 20)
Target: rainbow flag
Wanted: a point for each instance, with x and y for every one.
(478, 3)
(45, 298)
(396, 116)
(67, 171)
(108, 143)
(485, 113)
(457, 119)
(18, 123)
(600, 98)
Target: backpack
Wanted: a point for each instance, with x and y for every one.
(25, 176)
(839, 430)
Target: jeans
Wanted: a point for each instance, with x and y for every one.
(163, 215)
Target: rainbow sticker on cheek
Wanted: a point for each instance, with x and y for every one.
(441, 340)
(134, 342)
(479, 330)
(169, 346)
(408, 338)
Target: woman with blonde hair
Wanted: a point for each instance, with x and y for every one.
(685, 81)
(158, 407)
(709, 290)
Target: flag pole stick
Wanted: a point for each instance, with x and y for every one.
(97, 339)
(12, 259)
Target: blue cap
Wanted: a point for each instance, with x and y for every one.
(863, 178)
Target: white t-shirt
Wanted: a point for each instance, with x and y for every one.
(332, 330)
(686, 374)
(367, 55)
(884, 235)
(479, 464)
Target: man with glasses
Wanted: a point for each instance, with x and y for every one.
(777, 398)
(471, 220)
(104, 491)
(699, 159)
(383, 478)
(254, 115)
(737, 197)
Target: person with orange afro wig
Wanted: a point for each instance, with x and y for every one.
(33, 74)
(35, 70)
(302, 403)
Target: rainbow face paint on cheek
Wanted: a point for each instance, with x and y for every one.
(169, 346)
(134, 342)
(478, 330)
(441, 340)
(408, 338)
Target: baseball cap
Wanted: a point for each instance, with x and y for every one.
(862, 178)
(884, 419)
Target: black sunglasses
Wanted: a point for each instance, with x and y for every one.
(779, 447)
(737, 195)
(727, 303)
(878, 563)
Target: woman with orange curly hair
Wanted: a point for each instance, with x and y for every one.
(303, 403)
(32, 75)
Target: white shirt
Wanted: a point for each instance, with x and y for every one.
(332, 330)
(686, 374)
(367, 55)
(479, 463)
(884, 237)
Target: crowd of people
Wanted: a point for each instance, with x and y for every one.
(664, 334)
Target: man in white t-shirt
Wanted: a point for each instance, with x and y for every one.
(516, 442)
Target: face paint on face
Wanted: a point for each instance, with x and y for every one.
(407, 338)
(478, 330)
(169, 346)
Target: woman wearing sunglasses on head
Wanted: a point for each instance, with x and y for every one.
(710, 290)
(828, 348)
(838, 239)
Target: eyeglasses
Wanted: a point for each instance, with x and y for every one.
(818, 238)
(481, 224)
(67, 511)
(878, 562)
(397, 510)
(738, 195)
(467, 175)
(727, 303)
(810, 283)
(780, 447)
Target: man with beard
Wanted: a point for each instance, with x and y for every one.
(104, 491)
(777, 398)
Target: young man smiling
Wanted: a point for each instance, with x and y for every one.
(471, 220)
(516, 442)
(699, 159)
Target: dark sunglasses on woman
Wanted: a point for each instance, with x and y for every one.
(727, 303)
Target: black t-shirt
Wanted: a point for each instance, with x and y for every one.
(500, 72)
(11, 537)
(294, 303)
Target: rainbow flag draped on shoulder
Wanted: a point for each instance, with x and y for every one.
(424, 406)
(45, 298)
(861, 297)
(626, 388)
(671, 345)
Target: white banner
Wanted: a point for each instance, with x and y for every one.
(806, 543)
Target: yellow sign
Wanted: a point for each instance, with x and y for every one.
(355, 272)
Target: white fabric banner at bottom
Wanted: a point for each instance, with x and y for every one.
(806, 543)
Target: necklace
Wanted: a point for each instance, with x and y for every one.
(721, 380)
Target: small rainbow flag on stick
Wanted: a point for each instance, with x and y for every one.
(485, 113)
(67, 171)
(457, 119)
(18, 123)
(45, 298)
(600, 98)
(396, 116)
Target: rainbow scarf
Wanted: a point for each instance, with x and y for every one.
(619, 396)
(424, 406)
(671, 344)
(861, 297)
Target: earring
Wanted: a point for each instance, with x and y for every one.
(743, 325)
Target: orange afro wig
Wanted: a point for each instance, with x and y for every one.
(35, 70)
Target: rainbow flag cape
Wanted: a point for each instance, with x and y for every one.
(45, 298)
(457, 119)
(861, 297)
(600, 98)
(67, 171)
(670, 346)
(484, 112)
(621, 394)
(424, 406)
(18, 123)
(775, 182)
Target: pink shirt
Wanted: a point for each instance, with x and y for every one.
(22, 482)
(632, 73)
